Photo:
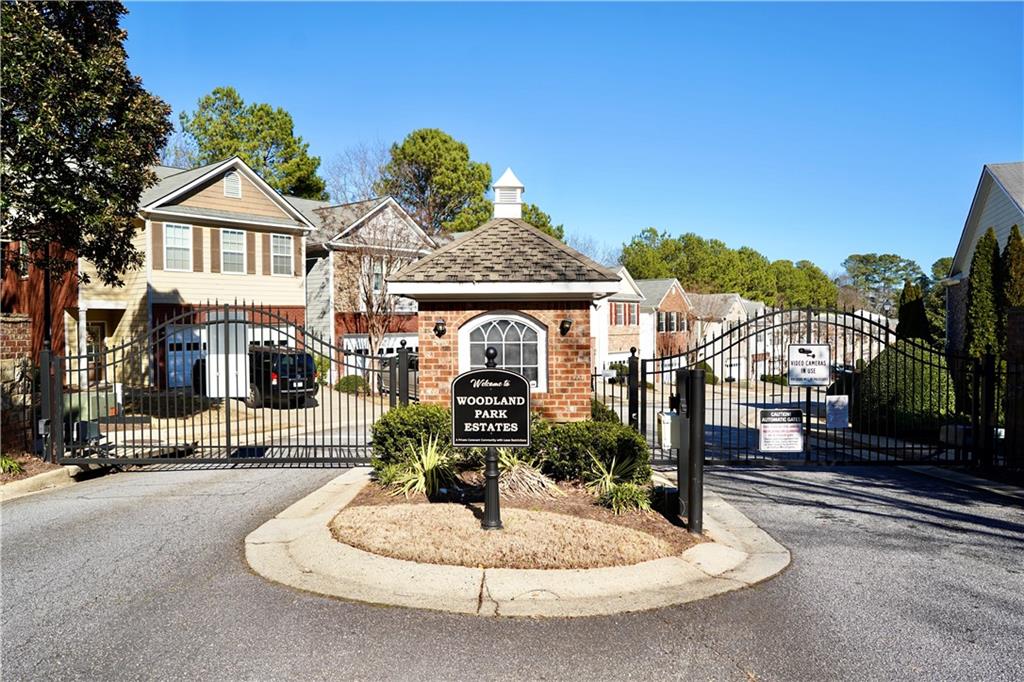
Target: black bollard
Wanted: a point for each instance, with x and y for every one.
(492, 508)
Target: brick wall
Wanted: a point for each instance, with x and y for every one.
(16, 369)
(672, 343)
(567, 397)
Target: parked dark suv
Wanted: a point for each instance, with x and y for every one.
(277, 376)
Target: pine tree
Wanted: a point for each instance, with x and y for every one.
(913, 320)
(982, 306)
(1012, 279)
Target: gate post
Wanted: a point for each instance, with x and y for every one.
(403, 373)
(643, 398)
(695, 405)
(44, 426)
(683, 451)
(988, 409)
(634, 389)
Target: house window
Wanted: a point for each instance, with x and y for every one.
(232, 251)
(634, 313)
(378, 275)
(281, 254)
(233, 185)
(684, 324)
(521, 344)
(671, 321)
(619, 314)
(661, 321)
(178, 247)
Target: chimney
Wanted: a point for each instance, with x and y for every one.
(508, 196)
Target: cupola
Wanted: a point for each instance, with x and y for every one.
(508, 196)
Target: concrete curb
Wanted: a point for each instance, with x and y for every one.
(48, 480)
(966, 480)
(296, 548)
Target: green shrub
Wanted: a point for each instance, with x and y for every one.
(601, 477)
(565, 449)
(424, 471)
(322, 364)
(9, 465)
(600, 412)
(352, 383)
(709, 374)
(519, 474)
(401, 428)
(905, 391)
(780, 379)
(621, 369)
(626, 497)
(388, 474)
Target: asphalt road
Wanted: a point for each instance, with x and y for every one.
(141, 576)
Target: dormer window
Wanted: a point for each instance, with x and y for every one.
(233, 185)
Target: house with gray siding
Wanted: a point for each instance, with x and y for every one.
(998, 203)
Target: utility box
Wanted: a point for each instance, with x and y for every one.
(670, 427)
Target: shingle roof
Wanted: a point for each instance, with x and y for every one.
(713, 306)
(330, 220)
(233, 215)
(505, 250)
(1011, 177)
(653, 290)
(171, 179)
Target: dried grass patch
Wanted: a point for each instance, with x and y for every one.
(451, 534)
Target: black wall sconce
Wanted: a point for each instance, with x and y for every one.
(565, 326)
(440, 328)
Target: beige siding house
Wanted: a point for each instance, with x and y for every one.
(998, 203)
(214, 233)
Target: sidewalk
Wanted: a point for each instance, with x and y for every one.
(297, 549)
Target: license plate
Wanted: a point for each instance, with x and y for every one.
(297, 383)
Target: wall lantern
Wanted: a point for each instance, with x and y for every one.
(565, 326)
(440, 328)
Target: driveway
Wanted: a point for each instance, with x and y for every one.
(141, 575)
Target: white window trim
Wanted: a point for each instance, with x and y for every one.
(542, 343)
(291, 256)
(187, 241)
(225, 184)
(244, 252)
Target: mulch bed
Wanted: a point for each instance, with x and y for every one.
(654, 535)
(30, 465)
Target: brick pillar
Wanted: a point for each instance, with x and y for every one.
(16, 373)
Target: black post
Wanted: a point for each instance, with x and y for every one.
(492, 507)
(392, 381)
(988, 409)
(226, 342)
(695, 513)
(683, 452)
(807, 401)
(634, 389)
(46, 409)
(403, 373)
(643, 398)
(47, 312)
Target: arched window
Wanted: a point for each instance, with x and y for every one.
(521, 344)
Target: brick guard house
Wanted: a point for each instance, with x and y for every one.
(508, 285)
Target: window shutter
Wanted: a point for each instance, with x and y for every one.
(197, 249)
(250, 252)
(158, 245)
(611, 309)
(266, 254)
(298, 265)
(214, 250)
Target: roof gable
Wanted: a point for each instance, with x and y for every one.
(999, 203)
(628, 290)
(655, 291)
(172, 189)
(505, 250)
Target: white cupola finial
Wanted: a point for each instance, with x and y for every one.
(508, 196)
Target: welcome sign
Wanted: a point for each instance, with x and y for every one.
(490, 408)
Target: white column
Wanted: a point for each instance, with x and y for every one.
(83, 363)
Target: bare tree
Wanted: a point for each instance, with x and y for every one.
(352, 174)
(366, 259)
(180, 151)
(593, 249)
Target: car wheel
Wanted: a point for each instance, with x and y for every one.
(254, 398)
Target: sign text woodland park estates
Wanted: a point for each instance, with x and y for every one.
(490, 407)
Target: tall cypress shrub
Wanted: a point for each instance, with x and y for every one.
(1012, 278)
(913, 320)
(982, 303)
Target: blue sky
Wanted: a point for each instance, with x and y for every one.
(802, 130)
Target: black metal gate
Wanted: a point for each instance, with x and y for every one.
(906, 401)
(220, 384)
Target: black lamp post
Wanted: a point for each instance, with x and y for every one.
(492, 509)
